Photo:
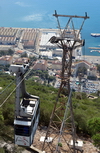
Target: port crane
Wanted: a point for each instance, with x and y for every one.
(69, 39)
(27, 109)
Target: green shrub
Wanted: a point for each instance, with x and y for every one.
(2, 150)
(96, 139)
(60, 144)
(94, 125)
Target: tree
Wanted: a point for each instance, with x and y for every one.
(24, 55)
(2, 53)
(94, 130)
(96, 139)
(92, 77)
(94, 125)
(10, 52)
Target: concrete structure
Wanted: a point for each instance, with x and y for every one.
(12, 36)
(7, 40)
(19, 52)
(6, 60)
(82, 63)
(29, 37)
(8, 36)
(29, 44)
(57, 52)
(91, 69)
(45, 44)
(23, 60)
(35, 39)
(92, 72)
(47, 54)
(8, 32)
(56, 65)
(6, 48)
(29, 34)
(40, 65)
(45, 37)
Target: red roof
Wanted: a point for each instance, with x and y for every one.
(19, 51)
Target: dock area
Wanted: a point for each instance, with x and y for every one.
(94, 47)
(91, 59)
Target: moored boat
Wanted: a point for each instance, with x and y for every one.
(95, 34)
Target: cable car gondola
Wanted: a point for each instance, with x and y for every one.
(27, 110)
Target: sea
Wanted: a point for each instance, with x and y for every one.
(39, 14)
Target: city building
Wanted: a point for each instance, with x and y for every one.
(82, 63)
(56, 65)
(29, 37)
(20, 52)
(92, 72)
(23, 60)
(8, 36)
(44, 40)
(29, 44)
(58, 52)
(47, 54)
(6, 60)
(40, 65)
(7, 40)
(5, 48)
(91, 69)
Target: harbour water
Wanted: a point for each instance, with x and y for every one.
(38, 14)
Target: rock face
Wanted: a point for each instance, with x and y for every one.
(7, 146)
(11, 148)
(90, 148)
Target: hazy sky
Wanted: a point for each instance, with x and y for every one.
(15, 11)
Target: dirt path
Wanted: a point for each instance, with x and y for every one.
(88, 146)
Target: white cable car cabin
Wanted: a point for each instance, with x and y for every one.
(27, 110)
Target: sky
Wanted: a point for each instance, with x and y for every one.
(21, 12)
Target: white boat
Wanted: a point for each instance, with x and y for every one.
(95, 34)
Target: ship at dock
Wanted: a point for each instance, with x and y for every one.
(95, 34)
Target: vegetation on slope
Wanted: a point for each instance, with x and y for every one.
(86, 111)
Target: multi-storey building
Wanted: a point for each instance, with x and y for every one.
(6, 60)
(56, 65)
(40, 65)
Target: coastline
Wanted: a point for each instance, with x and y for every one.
(91, 59)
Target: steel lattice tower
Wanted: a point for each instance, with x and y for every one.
(69, 39)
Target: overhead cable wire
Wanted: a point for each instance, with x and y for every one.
(7, 97)
(7, 87)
